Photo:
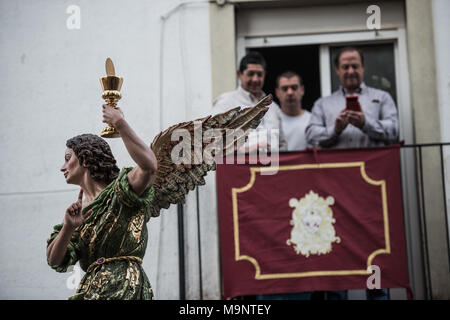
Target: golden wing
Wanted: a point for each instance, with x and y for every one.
(174, 179)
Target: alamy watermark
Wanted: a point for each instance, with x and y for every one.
(374, 280)
(217, 145)
(74, 279)
(259, 146)
(73, 22)
(373, 22)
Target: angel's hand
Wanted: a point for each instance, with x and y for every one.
(73, 217)
(112, 116)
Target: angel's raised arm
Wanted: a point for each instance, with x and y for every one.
(142, 176)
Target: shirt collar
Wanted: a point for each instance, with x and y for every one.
(360, 90)
(248, 94)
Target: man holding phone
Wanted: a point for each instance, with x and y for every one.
(354, 116)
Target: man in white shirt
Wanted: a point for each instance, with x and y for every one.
(290, 91)
(251, 74)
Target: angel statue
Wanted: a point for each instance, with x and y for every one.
(105, 229)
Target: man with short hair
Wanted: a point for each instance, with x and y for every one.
(251, 74)
(290, 91)
(332, 125)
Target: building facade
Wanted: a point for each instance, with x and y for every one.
(175, 58)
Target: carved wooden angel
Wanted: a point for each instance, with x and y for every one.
(106, 231)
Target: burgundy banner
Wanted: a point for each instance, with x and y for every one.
(319, 223)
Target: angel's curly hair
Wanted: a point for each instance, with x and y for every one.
(95, 154)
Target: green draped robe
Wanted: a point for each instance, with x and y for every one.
(117, 227)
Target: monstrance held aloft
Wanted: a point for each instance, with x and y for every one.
(111, 85)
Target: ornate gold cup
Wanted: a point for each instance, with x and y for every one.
(111, 85)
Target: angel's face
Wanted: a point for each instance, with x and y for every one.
(252, 79)
(72, 170)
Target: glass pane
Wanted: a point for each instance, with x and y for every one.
(379, 71)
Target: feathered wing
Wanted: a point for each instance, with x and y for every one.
(175, 178)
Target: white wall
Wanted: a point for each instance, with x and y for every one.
(50, 91)
(441, 23)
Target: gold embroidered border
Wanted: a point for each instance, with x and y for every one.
(258, 275)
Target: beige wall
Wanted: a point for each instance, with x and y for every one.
(255, 22)
(223, 48)
(426, 118)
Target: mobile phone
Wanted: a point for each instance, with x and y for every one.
(352, 103)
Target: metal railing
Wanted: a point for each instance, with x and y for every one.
(421, 151)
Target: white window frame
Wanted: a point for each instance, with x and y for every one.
(395, 36)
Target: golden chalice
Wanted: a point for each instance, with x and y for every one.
(111, 85)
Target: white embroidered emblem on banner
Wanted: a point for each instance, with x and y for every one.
(312, 221)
